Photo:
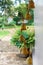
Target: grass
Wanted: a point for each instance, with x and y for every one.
(3, 33)
(9, 27)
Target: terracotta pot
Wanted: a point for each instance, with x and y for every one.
(24, 51)
(28, 16)
(31, 4)
(29, 61)
(22, 39)
(23, 27)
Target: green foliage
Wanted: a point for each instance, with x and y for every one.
(16, 18)
(29, 37)
(22, 10)
(25, 34)
(6, 3)
(12, 23)
(31, 21)
(6, 6)
(3, 21)
(15, 39)
(20, 1)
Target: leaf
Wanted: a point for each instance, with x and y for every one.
(25, 34)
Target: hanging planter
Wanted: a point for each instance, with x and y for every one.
(28, 16)
(31, 4)
(23, 27)
(24, 51)
(22, 39)
(29, 60)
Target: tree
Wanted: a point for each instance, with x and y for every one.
(21, 9)
(6, 5)
(20, 1)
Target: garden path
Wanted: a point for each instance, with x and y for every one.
(8, 52)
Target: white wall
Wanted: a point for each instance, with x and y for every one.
(38, 2)
(38, 20)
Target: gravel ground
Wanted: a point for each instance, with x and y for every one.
(8, 55)
(10, 58)
(8, 52)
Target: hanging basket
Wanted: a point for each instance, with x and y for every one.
(22, 39)
(24, 51)
(31, 4)
(29, 61)
(23, 27)
(28, 16)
